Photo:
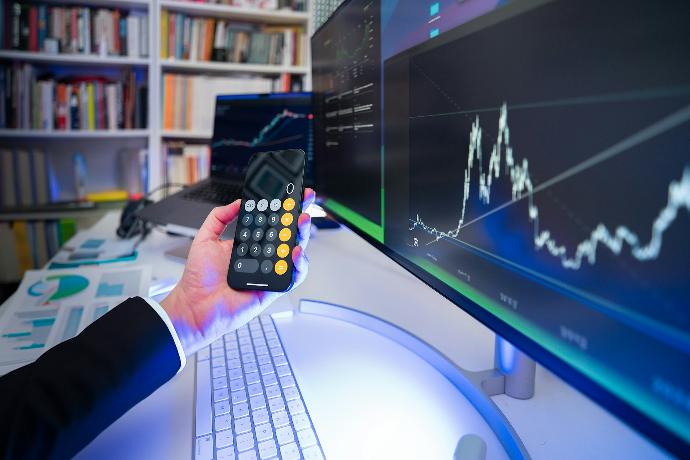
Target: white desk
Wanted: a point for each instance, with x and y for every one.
(558, 422)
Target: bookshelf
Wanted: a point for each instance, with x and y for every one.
(100, 146)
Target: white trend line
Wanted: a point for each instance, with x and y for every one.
(678, 198)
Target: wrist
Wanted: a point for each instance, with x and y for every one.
(178, 310)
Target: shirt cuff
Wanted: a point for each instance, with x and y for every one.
(166, 319)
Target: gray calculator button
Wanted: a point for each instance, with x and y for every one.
(245, 234)
(260, 220)
(242, 249)
(255, 250)
(275, 204)
(266, 267)
(273, 219)
(269, 250)
(271, 234)
(262, 205)
(246, 265)
(257, 234)
(249, 205)
(247, 220)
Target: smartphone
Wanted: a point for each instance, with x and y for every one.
(266, 230)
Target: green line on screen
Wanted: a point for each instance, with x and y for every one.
(370, 228)
(670, 417)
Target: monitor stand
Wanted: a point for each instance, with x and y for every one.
(513, 375)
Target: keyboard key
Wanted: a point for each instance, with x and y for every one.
(240, 410)
(290, 452)
(277, 351)
(217, 362)
(225, 454)
(223, 422)
(276, 404)
(242, 425)
(263, 359)
(204, 448)
(270, 379)
(203, 412)
(260, 416)
(255, 389)
(236, 384)
(250, 367)
(257, 402)
(284, 370)
(267, 449)
(221, 395)
(249, 455)
(245, 340)
(263, 432)
(233, 363)
(224, 439)
(280, 360)
(271, 335)
(204, 353)
(296, 407)
(273, 343)
(217, 352)
(285, 435)
(252, 377)
(246, 348)
(217, 344)
(217, 371)
(221, 408)
(261, 350)
(248, 358)
(301, 421)
(280, 419)
(291, 393)
(239, 396)
(220, 382)
(287, 381)
(312, 453)
(273, 391)
(232, 354)
(244, 441)
(306, 438)
(235, 373)
(266, 369)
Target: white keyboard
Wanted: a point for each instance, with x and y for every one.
(248, 404)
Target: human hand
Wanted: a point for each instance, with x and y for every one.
(202, 307)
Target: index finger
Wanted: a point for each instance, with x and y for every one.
(217, 220)
(309, 197)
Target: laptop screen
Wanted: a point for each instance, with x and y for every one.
(249, 123)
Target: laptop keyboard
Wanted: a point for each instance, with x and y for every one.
(248, 404)
(215, 192)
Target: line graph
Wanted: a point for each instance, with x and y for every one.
(267, 134)
(522, 186)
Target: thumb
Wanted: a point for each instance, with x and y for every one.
(217, 220)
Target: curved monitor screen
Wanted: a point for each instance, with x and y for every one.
(533, 166)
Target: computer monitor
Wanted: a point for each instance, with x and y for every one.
(534, 168)
(249, 123)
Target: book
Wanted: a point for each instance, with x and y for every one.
(83, 30)
(189, 101)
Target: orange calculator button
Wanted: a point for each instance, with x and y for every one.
(286, 219)
(283, 250)
(285, 234)
(289, 204)
(281, 267)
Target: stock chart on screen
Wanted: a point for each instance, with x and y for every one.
(538, 163)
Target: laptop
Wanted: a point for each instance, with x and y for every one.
(243, 124)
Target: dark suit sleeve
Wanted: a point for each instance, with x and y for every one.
(55, 406)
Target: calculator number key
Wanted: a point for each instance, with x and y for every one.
(246, 265)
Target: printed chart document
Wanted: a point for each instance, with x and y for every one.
(51, 306)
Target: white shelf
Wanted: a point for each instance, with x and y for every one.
(75, 134)
(73, 59)
(182, 134)
(223, 67)
(234, 12)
